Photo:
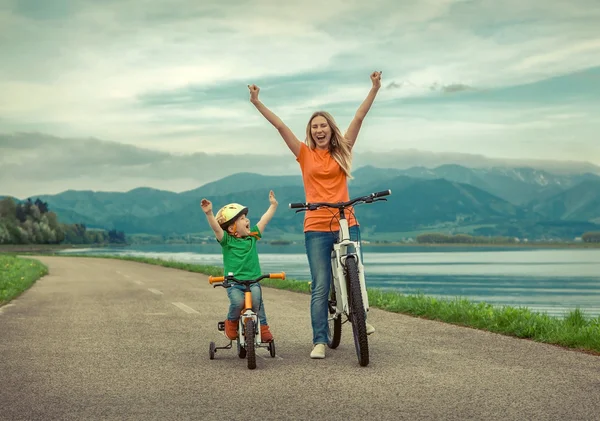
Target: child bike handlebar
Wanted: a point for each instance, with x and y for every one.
(370, 198)
(229, 278)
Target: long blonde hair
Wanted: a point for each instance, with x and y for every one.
(339, 147)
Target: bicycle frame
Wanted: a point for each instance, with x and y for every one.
(248, 322)
(349, 291)
(339, 255)
(248, 314)
(341, 250)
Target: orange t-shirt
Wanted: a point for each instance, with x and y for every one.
(324, 181)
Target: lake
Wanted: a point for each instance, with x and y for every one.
(542, 279)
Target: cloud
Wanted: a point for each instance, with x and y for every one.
(33, 164)
(455, 87)
(171, 78)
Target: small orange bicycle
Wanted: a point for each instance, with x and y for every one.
(248, 324)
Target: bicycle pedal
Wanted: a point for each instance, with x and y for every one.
(221, 326)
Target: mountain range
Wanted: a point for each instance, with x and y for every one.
(508, 201)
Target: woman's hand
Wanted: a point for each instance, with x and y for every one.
(376, 79)
(254, 90)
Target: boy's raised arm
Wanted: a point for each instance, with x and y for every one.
(206, 206)
(264, 220)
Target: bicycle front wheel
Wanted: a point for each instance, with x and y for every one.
(357, 312)
(250, 349)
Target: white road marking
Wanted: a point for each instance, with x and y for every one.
(155, 291)
(139, 282)
(5, 306)
(268, 356)
(185, 308)
(123, 275)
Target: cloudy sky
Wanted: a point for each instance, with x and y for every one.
(113, 95)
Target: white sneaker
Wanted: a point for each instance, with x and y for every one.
(370, 328)
(318, 351)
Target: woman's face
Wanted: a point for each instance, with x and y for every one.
(320, 131)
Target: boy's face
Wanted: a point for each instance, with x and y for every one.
(242, 226)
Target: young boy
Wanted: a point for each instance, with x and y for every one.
(238, 244)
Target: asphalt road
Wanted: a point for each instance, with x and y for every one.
(100, 339)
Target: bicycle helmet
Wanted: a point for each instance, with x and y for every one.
(229, 213)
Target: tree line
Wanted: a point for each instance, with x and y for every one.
(439, 238)
(33, 223)
(591, 237)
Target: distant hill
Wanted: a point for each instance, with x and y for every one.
(417, 204)
(241, 182)
(578, 203)
(102, 207)
(516, 185)
(498, 201)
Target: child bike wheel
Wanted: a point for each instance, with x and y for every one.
(251, 352)
(241, 351)
(211, 350)
(357, 311)
(334, 324)
(272, 348)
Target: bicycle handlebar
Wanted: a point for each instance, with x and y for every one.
(367, 199)
(215, 279)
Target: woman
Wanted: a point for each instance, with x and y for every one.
(325, 159)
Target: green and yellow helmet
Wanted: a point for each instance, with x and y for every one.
(229, 213)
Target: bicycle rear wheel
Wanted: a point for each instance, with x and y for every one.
(357, 312)
(334, 323)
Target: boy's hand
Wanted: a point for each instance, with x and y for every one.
(272, 198)
(206, 205)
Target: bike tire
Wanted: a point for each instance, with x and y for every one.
(211, 350)
(357, 312)
(250, 349)
(334, 327)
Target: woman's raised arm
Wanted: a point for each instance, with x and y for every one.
(361, 113)
(288, 136)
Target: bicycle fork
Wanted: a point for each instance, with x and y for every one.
(339, 272)
(248, 314)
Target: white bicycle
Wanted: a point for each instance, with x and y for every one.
(348, 292)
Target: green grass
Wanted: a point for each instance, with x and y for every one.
(18, 274)
(574, 331)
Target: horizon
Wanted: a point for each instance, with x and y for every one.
(107, 97)
(298, 175)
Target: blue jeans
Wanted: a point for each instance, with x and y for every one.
(319, 245)
(236, 302)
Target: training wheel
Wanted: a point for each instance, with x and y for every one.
(211, 350)
(272, 348)
(241, 351)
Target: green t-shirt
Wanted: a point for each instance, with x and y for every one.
(240, 255)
